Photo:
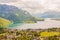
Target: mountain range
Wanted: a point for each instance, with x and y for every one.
(49, 14)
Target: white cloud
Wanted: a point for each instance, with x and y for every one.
(7, 1)
(35, 6)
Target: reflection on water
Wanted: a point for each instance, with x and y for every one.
(39, 24)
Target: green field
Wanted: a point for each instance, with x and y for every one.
(47, 34)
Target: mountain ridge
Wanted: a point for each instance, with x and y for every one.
(49, 14)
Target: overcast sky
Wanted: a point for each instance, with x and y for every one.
(34, 6)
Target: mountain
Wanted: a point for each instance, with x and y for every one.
(15, 14)
(49, 14)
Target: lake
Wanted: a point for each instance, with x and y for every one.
(39, 25)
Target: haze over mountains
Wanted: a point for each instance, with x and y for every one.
(48, 14)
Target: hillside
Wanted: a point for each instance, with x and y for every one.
(15, 14)
(4, 23)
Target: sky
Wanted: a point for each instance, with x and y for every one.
(34, 6)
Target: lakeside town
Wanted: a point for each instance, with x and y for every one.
(30, 34)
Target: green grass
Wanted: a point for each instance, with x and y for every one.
(47, 34)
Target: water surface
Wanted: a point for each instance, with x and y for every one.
(39, 25)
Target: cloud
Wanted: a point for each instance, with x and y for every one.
(7, 1)
(51, 4)
(35, 6)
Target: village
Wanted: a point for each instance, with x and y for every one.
(30, 34)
